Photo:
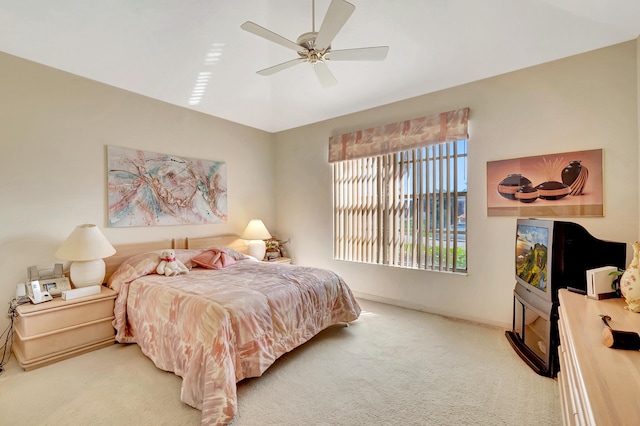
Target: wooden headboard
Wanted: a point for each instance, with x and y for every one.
(231, 241)
(125, 251)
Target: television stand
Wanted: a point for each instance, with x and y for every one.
(525, 353)
(534, 333)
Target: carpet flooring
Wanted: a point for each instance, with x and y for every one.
(392, 366)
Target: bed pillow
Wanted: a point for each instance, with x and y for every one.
(213, 258)
(144, 264)
(231, 252)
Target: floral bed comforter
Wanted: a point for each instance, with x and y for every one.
(216, 327)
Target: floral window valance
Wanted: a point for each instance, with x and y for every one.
(401, 136)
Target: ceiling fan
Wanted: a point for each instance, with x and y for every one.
(315, 47)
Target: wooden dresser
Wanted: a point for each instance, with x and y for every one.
(60, 329)
(598, 385)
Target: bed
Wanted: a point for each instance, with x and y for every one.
(215, 327)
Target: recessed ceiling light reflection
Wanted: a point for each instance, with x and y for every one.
(202, 81)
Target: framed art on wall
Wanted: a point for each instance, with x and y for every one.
(553, 185)
(151, 189)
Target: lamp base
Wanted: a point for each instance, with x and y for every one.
(87, 272)
(257, 249)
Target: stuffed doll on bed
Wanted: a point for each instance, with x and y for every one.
(169, 265)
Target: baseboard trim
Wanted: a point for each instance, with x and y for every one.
(422, 308)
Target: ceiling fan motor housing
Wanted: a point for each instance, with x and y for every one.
(308, 42)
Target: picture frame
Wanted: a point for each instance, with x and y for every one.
(153, 189)
(567, 184)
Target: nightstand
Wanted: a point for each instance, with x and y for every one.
(286, 260)
(52, 331)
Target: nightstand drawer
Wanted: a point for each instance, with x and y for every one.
(286, 260)
(41, 345)
(57, 316)
(52, 331)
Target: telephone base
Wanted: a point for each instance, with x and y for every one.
(44, 297)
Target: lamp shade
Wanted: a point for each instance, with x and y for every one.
(86, 242)
(86, 247)
(256, 232)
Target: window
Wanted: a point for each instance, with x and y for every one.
(400, 193)
(404, 209)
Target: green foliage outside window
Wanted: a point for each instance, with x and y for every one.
(461, 257)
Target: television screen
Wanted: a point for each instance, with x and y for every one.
(532, 250)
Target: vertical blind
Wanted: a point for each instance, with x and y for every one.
(396, 208)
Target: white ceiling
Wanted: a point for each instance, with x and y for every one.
(157, 48)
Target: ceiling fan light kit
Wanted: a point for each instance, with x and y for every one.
(315, 47)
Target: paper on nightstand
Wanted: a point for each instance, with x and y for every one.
(80, 292)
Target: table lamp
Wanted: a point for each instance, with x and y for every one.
(256, 233)
(86, 247)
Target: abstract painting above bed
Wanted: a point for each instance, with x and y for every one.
(215, 327)
(151, 189)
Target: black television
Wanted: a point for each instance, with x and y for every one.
(551, 255)
(534, 250)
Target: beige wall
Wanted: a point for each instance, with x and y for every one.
(583, 102)
(54, 129)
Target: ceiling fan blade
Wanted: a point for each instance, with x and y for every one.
(269, 35)
(324, 74)
(280, 67)
(337, 14)
(378, 53)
